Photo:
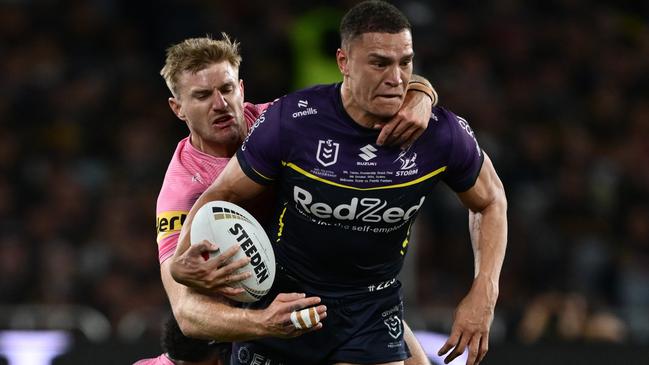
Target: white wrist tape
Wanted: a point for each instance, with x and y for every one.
(305, 318)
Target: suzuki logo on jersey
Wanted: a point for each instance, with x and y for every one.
(367, 152)
(327, 153)
(364, 209)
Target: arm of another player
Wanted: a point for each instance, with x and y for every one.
(412, 119)
(488, 228)
(417, 353)
(203, 316)
(213, 317)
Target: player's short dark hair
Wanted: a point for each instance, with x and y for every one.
(372, 16)
(180, 347)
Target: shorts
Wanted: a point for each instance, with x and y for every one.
(365, 328)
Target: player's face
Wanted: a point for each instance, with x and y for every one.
(376, 69)
(210, 101)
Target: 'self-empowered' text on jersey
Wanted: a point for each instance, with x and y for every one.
(346, 204)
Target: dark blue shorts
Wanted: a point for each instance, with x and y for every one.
(363, 328)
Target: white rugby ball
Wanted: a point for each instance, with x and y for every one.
(226, 224)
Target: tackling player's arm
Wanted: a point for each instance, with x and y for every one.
(412, 119)
(487, 206)
(213, 317)
(204, 316)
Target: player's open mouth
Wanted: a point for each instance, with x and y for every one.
(223, 121)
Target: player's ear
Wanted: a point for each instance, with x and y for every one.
(341, 59)
(241, 89)
(175, 106)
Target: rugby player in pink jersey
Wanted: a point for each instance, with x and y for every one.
(202, 75)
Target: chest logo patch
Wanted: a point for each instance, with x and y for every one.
(327, 153)
(367, 152)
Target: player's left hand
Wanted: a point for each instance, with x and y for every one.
(217, 275)
(408, 124)
(471, 324)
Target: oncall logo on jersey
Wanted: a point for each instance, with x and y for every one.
(169, 222)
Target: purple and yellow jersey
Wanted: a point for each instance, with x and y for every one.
(346, 205)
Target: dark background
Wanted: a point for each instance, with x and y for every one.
(557, 92)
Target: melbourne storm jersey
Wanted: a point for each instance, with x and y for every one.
(346, 205)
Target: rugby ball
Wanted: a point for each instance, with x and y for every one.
(226, 224)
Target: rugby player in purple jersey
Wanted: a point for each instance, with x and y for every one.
(342, 223)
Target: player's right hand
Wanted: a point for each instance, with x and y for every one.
(276, 318)
(216, 275)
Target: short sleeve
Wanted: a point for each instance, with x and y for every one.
(465, 156)
(260, 154)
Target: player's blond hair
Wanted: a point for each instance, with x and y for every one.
(195, 54)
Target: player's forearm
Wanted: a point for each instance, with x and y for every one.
(207, 317)
(201, 316)
(488, 229)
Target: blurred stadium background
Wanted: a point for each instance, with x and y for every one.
(557, 92)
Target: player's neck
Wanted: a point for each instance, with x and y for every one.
(224, 150)
(356, 112)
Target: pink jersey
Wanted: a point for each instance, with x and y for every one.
(160, 360)
(189, 174)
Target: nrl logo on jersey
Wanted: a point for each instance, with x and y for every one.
(327, 153)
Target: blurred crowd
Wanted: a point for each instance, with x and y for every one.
(557, 92)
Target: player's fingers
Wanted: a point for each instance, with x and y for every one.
(304, 303)
(307, 319)
(206, 245)
(408, 137)
(451, 342)
(393, 137)
(235, 278)
(386, 132)
(227, 268)
(289, 297)
(322, 311)
(459, 349)
(228, 290)
(484, 347)
(401, 132)
(198, 249)
(227, 255)
(474, 350)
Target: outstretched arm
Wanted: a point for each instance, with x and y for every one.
(488, 229)
(412, 119)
